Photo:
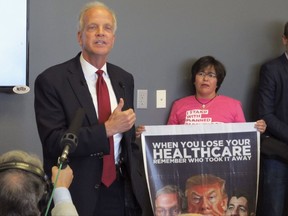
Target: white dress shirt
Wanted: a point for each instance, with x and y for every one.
(91, 79)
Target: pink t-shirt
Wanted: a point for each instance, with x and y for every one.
(221, 109)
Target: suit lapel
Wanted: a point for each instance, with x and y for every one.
(78, 84)
(284, 61)
(117, 83)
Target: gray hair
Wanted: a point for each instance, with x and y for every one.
(90, 5)
(21, 156)
(173, 189)
(20, 190)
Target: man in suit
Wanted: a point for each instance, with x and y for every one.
(62, 89)
(273, 108)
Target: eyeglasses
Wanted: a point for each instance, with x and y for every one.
(174, 211)
(210, 75)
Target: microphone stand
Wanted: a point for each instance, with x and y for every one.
(54, 186)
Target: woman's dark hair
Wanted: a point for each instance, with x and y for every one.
(207, 61)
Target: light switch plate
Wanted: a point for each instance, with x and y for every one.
(161, 99)
(142, 97)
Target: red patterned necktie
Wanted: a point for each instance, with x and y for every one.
(104, 111)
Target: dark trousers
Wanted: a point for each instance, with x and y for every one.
(118, 199)
(273, 188)
(111, 201)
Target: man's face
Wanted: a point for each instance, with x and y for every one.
(97, 36)
(206, 200)
(167, 205)
(237, 207)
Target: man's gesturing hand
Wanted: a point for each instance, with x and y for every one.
(120, 121)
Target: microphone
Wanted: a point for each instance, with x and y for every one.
(69, 140)
(83, 82)
(122, 85)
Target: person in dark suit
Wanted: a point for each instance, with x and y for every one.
(62, 89)
(273, 108)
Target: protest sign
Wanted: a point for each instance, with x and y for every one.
(174, 153)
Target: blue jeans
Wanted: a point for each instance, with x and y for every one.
(273, 191)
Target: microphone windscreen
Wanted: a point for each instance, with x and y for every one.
(70, 136)
(76, 122)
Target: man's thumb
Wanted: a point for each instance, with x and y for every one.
(120, 105)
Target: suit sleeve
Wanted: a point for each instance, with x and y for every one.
(55, 107)
(64, 208)
(267, 106)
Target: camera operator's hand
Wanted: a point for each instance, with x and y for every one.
(65, 176)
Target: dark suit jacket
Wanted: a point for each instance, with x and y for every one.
(273, 97)
(59, 92)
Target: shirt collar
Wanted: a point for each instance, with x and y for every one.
(286, 55)
(89, 70)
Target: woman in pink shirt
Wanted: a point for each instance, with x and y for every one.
(206, 106)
